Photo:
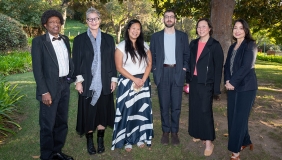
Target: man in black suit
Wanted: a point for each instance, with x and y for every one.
(52, 66)
(170, 54)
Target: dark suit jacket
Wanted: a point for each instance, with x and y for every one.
(45, 65)
(244, 76)
(182, 54)
(209, 65)
(83, 55)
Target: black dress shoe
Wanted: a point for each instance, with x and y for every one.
(61, 156)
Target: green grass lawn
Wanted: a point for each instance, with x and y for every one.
(73, 28)
(25, 144)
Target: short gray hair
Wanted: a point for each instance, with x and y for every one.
(92, 10)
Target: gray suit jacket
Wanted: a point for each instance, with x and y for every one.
(45, 65)
(182, 54)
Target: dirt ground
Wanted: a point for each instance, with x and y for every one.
(265, 125)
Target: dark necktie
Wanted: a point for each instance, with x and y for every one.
(54, 38)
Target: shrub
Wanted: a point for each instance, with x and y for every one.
(8, 98)
(270, 58)
(15, 62)
(12, 35)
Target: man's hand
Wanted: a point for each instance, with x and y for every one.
(46, 99)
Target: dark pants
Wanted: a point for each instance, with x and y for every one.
(53, 122)
(170, 97)
(239, 105)
(201, 123)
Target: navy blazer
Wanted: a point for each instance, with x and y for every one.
(244, 76)
(45, 65)
(182, 54)
(83, 55)
(209, 65)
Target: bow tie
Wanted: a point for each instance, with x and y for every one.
(54, 38)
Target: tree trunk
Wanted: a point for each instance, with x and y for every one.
(118, 34)
(64, 9)
(221, 18)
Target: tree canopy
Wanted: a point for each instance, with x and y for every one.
(260, 14)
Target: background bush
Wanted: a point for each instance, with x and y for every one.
(9, 95)
(15, 62)
(270, 58)
(12, 35)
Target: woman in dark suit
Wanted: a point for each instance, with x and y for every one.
(95, 71)
(241, 83)
(206, 62)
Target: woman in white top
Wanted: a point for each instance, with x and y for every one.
(133, 121)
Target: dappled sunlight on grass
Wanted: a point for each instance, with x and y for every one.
(22, 82)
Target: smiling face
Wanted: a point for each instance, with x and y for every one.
(134, 31)
(93, 21)
(203, 29)
(53, 26)
(238, 31)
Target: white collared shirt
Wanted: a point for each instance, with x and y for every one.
(62, 56)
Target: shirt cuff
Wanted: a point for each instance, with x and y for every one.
(114, 79)
(79, 79)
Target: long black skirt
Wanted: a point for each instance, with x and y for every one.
(201, 123)
(89, 117)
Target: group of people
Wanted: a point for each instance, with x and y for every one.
(93, 65)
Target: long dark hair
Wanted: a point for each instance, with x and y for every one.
(139, 44)
(246, 28)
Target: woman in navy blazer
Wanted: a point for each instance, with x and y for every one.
(241, 83)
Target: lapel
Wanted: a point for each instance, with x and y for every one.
(240, 50)
(206, 49)
(177, 42)
(103, 45)
(161, 41)
(194, 50)
(50, 49)
(88, 43)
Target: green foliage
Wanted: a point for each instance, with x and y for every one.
(28, 12)
(16, 62)
(9, 96)
(12, 35)
(270, 58)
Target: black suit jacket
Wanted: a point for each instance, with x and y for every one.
(209, 65)
(182, 54)
(83, 55)
(244, 75)
(45, 65)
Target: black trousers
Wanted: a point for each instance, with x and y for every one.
(239, 105)
(170, 97)
(53, 122)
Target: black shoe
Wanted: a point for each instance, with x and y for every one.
(61, 156)
(100, 141)
(90, 145)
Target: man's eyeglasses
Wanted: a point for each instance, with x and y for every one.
(169, 17)
(96, 19)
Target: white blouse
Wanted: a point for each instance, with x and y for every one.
(129, 66)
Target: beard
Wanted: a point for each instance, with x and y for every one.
(169, 25)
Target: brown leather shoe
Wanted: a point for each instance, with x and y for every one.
(174, 139)
(165, 138)
(250, 145)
